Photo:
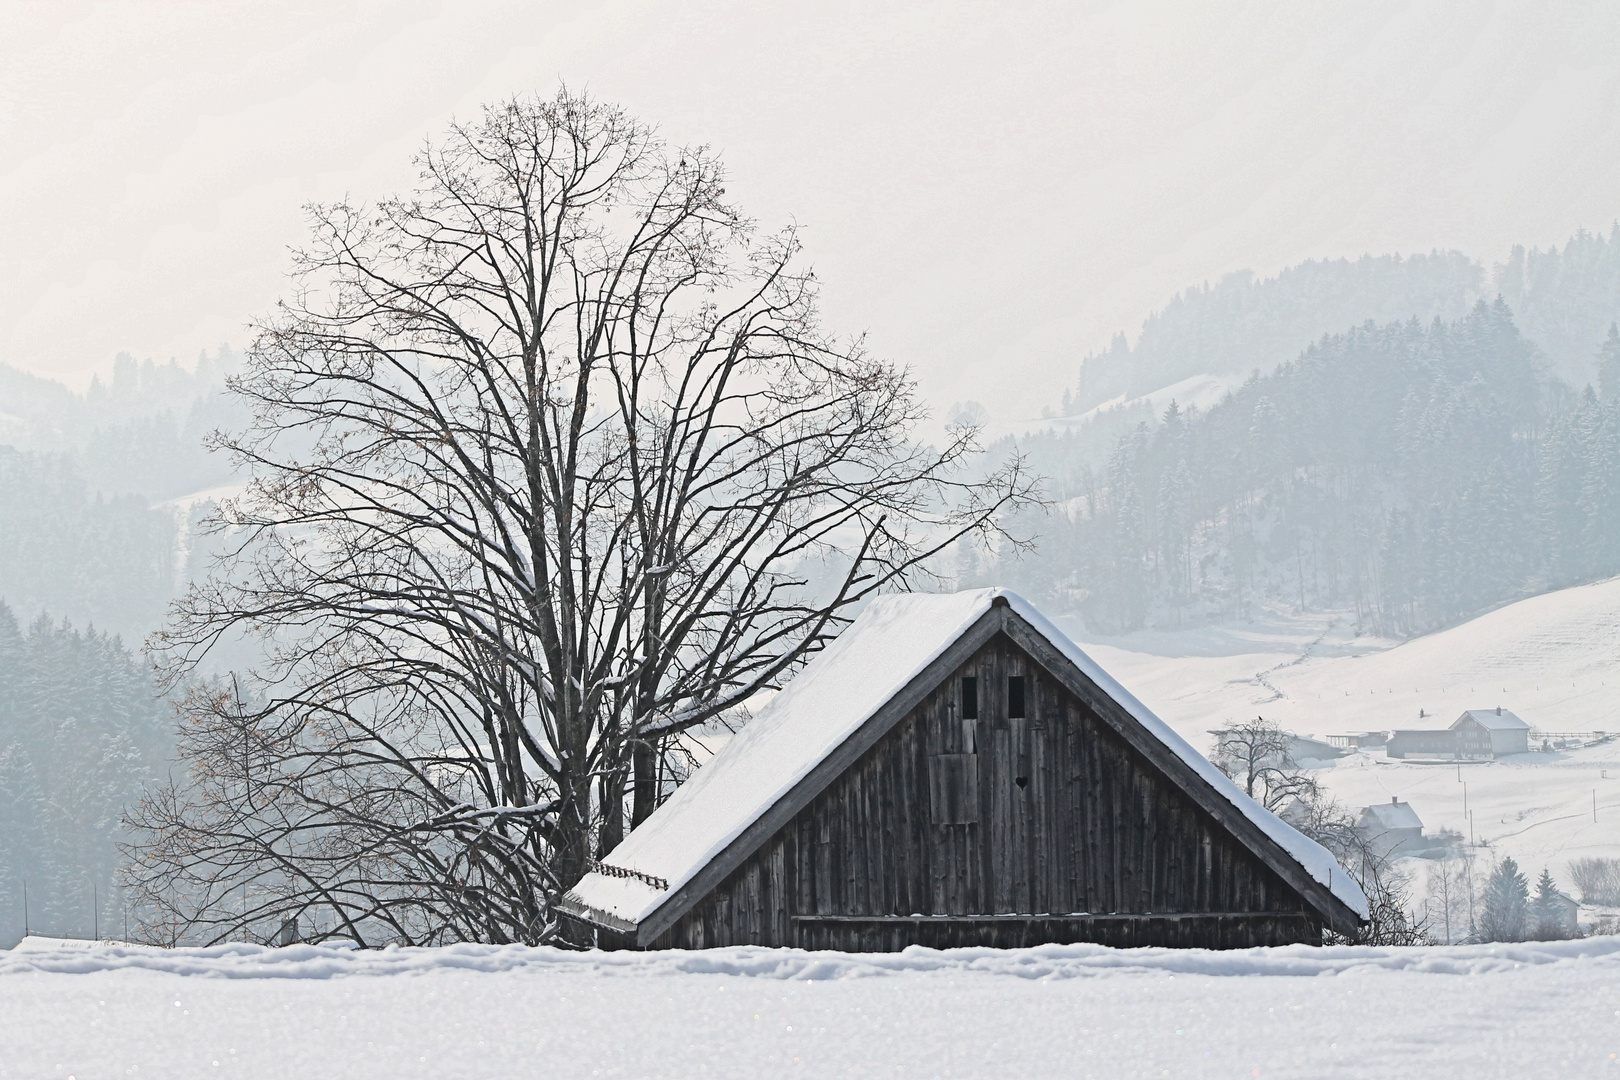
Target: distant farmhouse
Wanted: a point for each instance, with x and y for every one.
(1476, 735)
(1391, 828)
(1359, 740)
(1567, 913)
(1491, 733)
(1305, 748)
(954, 771)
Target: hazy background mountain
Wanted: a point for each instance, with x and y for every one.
(98, 488)
(992, 190)
(1370, 435)
(1209, 338)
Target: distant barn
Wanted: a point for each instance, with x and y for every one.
(1476, 735)
(953, 770)
(1391, 828)
(1491, 733)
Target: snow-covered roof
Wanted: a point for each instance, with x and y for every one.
(1305, 748)
(1393, 815)
(1495, 719)
(872, 661)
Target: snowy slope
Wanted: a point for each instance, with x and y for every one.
(1073, 1011)
(1553, 659)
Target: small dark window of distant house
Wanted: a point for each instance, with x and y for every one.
(1015, 696)
(970, 698)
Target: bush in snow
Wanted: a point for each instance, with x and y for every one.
(1597, 879)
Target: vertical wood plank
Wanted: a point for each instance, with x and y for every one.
(1002, 862)
(1019, 864)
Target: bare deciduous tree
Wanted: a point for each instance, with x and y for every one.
(1393, 918)
(1451, 893)
(552, 464)
(1258, 755)
(1598, 879)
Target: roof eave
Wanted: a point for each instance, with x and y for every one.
(576, 908)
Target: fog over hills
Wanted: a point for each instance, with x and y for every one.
(986, 189)
(1306, 313)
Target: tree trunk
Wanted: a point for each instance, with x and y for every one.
(611, 830)
(646, 783)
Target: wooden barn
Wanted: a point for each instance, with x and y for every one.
(952, 771)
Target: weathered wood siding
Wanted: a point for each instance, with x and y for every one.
(999, 831)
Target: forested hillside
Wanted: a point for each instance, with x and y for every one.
(142, 433)
(1412, 472)
(81, 729)
(88, 552)
(81, 477)
(107, 561)
(1563, 299)
(1243, 324)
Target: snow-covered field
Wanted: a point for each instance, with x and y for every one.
(1530, 1010)
(1549, 1009)
(1551, 659)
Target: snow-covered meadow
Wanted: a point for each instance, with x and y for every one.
(1529, 1010)
(1552, 659)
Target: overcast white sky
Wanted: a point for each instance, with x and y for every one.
(990, 189)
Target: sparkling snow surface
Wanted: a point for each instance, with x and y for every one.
(892, 641)
(1544, 1010)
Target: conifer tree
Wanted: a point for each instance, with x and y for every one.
(1546, 911)
(80, 732)
(1608, 360)
(1507, 904)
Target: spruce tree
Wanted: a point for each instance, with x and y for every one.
(1545, 911)
(1507, 904)
(81, 729)
(1608, 362)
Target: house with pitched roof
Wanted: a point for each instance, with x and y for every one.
(952, 770)
(1476, 735)
(1491, 733)
(1391, 828)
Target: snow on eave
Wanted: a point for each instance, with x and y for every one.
(749, 775)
